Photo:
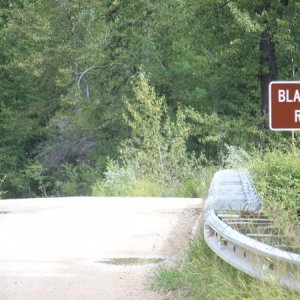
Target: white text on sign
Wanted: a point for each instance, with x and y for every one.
(284, 96)
(297, 116)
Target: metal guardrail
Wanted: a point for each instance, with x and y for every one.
(231, 211)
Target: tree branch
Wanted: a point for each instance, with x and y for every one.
(82, 74)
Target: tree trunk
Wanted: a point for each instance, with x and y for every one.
(268, 64)
(268, 68)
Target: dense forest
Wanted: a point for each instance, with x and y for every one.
(100, 94)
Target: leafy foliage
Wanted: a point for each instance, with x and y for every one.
(67, 65)
(277, 178)
(154, 161)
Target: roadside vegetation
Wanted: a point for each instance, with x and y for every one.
(203, 275)
(68, 66)
(277, 178)
(276, 175)
(154, 160)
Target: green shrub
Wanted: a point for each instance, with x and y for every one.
(121, 181)
(155, 160)
(74, 180)
(277, 179)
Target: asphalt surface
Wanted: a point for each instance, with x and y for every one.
(89, 247)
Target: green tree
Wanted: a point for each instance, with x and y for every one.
(156, 153)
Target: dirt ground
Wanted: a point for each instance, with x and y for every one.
(90, 248)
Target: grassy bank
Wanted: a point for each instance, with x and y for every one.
(203, 275)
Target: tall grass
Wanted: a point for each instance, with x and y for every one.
(203, 275)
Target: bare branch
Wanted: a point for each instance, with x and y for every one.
(82, 74)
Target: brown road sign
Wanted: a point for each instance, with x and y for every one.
(284, 105)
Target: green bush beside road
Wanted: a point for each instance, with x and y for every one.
(277, 180)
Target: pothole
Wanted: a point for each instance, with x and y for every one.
(130, 261)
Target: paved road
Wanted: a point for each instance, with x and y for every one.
(88, 247)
